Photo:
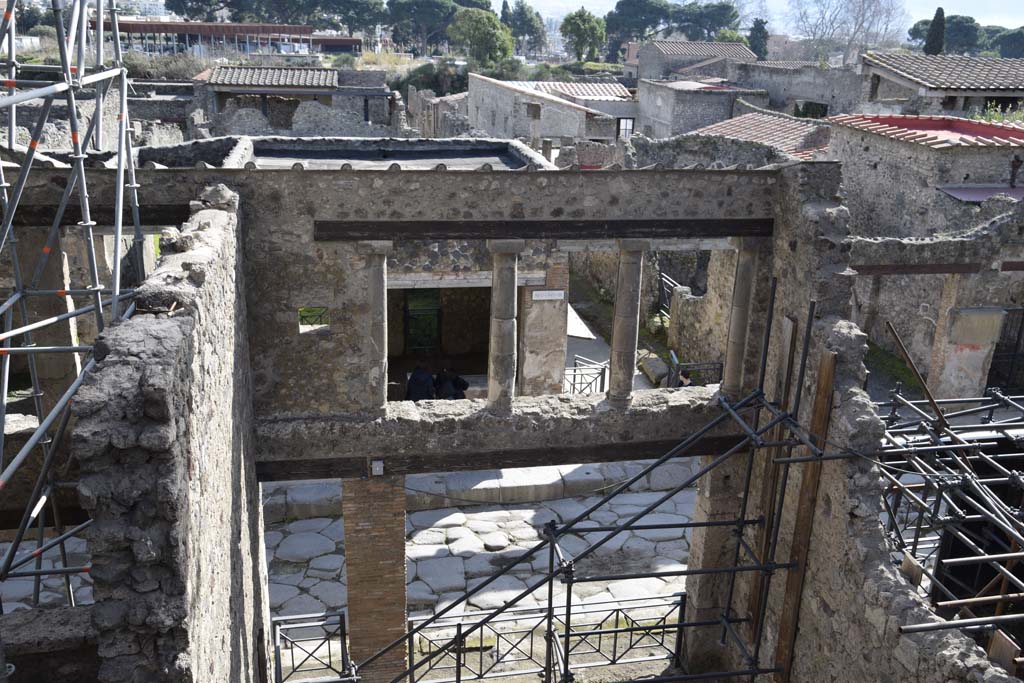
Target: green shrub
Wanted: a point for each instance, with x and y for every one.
(180, 67)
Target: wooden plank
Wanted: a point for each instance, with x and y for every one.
(1003, 651)
(1006, 266)
(804, 525)
(912, 569)
(915, 268)
(351, 468)
(542, 229)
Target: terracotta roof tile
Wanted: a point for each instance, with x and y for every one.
(696, 48)
(952, 72)
(274, 77)
(613, 90)
(797, 137)
(937, 132)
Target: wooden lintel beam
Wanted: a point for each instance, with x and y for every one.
(355, 468)
(804, 525)
(542, 229)
(915, 268)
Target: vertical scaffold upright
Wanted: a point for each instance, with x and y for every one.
(81, 76)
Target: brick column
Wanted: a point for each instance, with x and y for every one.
(739, 317)
(626, 323)
(501, 361)
(374, 517)
(376, 252)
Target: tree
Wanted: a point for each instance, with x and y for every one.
(506, 13)
(849, 26)
(475, 4)
(584, 33)
(703, 22)
(423, 20)
(918, 33)
(357, 15)
(727, 35)
(27, 17)
(1010, 43)
(963, 34)
(757, 39)
(989, 35)
(637, 19)
(935, 40)
(483, 36)
(527, 27)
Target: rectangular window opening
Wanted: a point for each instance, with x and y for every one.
(625, 128)
(314, 319)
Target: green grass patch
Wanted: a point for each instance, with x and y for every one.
(880, 361)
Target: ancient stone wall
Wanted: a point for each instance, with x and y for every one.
(666, 111)
(840, 89)
(891, 186)
(163, 436)
(56, 644)
(709, 151)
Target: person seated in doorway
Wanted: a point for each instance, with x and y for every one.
(449, 385)
(420, 386)
(684, 378)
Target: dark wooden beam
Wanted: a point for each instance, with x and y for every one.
(352, 468)
(1011, 266)
(541, 229)
(102, 214)
(916, 268)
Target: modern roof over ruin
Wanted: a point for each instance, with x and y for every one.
(696, 48)
(937, 132)
(797, 137)
(951, 72)
(271, 77)
(609, 90)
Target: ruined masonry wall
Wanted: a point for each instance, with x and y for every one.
(163, 437)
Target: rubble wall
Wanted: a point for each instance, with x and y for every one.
(840, 89)
(163, 436)
(51, 644)
(666, 111)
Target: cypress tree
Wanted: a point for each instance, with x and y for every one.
(936, 40)
(506, 13)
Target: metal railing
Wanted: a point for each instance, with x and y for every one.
(666, 287)
(312, 644)
(698, 374)
(586, 376)
(603, 633)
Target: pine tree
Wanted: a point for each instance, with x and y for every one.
(935, 42)
(506, 13)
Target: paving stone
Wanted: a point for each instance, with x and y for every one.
(490, 514)
(275, 508)
(482, 486)
(451, 598)
(673, 473)
(531, 483)
(330, 593)
(496, 540)
(638, 546)
(425, 492)
(281, 593)
(480, 526)
(303, 547)
(320, 499)
(566, 509)
(419, 593)
(675, 550)
(572, 545)
(327, 563)
(614, 545)
(314, 525)
(429, 537)
(466, 546)
(272, 538)
(630, 589)
(522, 533)
(309, 581)
(83, 596)
(481, 564)
(444, 517)
(504, 589)
(302, 604)
(290, 579)
(442, 575)
(456, 532)
(14, 607)
(661, 534)
(426, 552)
(581, 480)
(335, 530)
(17, 589)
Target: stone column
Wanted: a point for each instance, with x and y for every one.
(501, 361)
(626, 322)
(373, 511)
(542, 332)
(965, 340)
(377, 299)
(739, 318)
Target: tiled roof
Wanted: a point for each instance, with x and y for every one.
(274, 76)
(614, 90)
(696, 48)
(787, 64)
(938, 132)
(784, 133)
(952, 72)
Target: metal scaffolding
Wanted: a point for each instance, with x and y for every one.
(84, 72)
(544, 630)
(954, 506)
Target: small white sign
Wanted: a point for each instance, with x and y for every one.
(549, 295)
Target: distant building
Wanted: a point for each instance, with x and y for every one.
(669, 108)
(943, 84)
(659, 58)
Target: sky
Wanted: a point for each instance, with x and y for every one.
(1008, 13)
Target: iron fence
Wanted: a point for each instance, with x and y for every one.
(696, 374)
(666, 287)
(586, 376)
(312, 644)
